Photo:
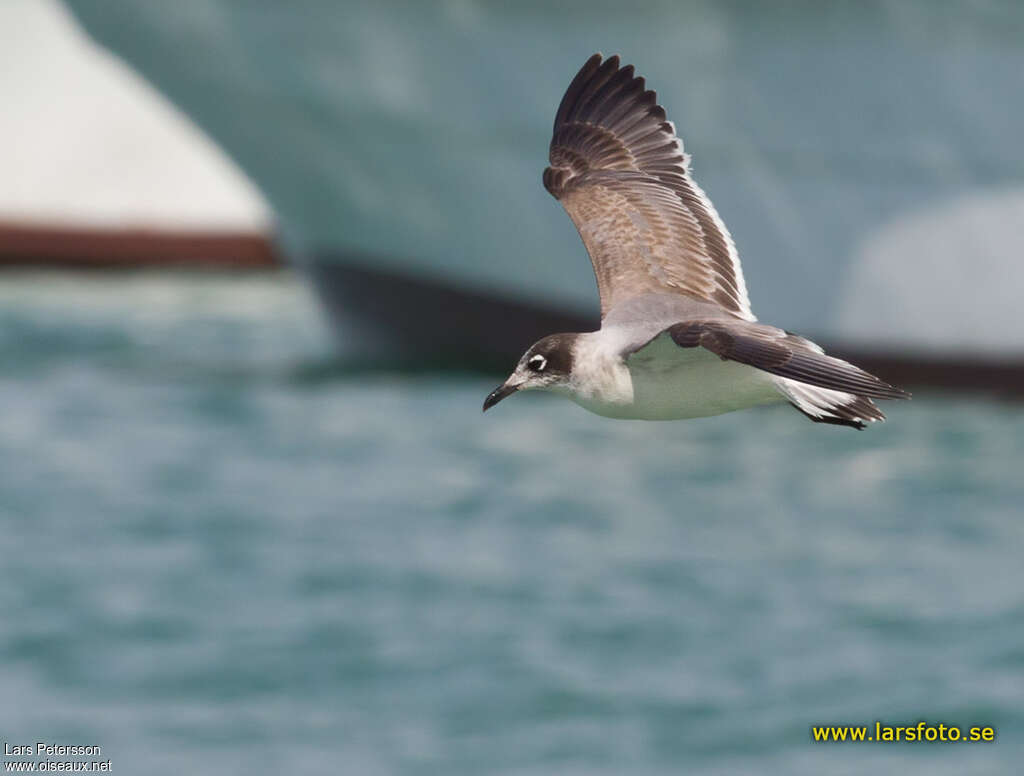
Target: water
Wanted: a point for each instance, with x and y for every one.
(223, 554)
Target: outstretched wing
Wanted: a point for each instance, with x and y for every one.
(780, 353)
(621, 174)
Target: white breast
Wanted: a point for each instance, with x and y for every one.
(664, 382)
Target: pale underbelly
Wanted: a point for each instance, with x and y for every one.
(695, 388)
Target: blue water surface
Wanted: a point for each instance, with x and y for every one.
(223, 553)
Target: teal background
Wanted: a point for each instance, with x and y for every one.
(225, 552)
(848, 146)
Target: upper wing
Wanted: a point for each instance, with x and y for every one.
(620, 172)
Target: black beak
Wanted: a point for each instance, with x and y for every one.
(499, 393)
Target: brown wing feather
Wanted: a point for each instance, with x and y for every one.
(620, 172)
(780, 353)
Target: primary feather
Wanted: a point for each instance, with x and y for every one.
(621, 174)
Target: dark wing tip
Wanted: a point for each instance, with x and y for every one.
(572, 93)
(604, 111)
(594, 82)
(891, 391)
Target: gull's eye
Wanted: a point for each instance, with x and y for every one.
(537, 363)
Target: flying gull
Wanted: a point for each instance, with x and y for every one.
(677, 336)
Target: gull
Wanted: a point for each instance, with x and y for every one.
(677, 337)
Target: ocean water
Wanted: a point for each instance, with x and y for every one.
(224, 553)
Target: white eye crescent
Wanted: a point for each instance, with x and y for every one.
(537, 363)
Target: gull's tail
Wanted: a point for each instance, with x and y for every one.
(823, 405)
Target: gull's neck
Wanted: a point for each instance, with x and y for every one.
(599, 372)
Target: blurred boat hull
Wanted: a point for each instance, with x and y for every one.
(387, 319)
(79, 247)
(849, 149)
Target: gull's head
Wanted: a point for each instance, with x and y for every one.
(546, 366)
